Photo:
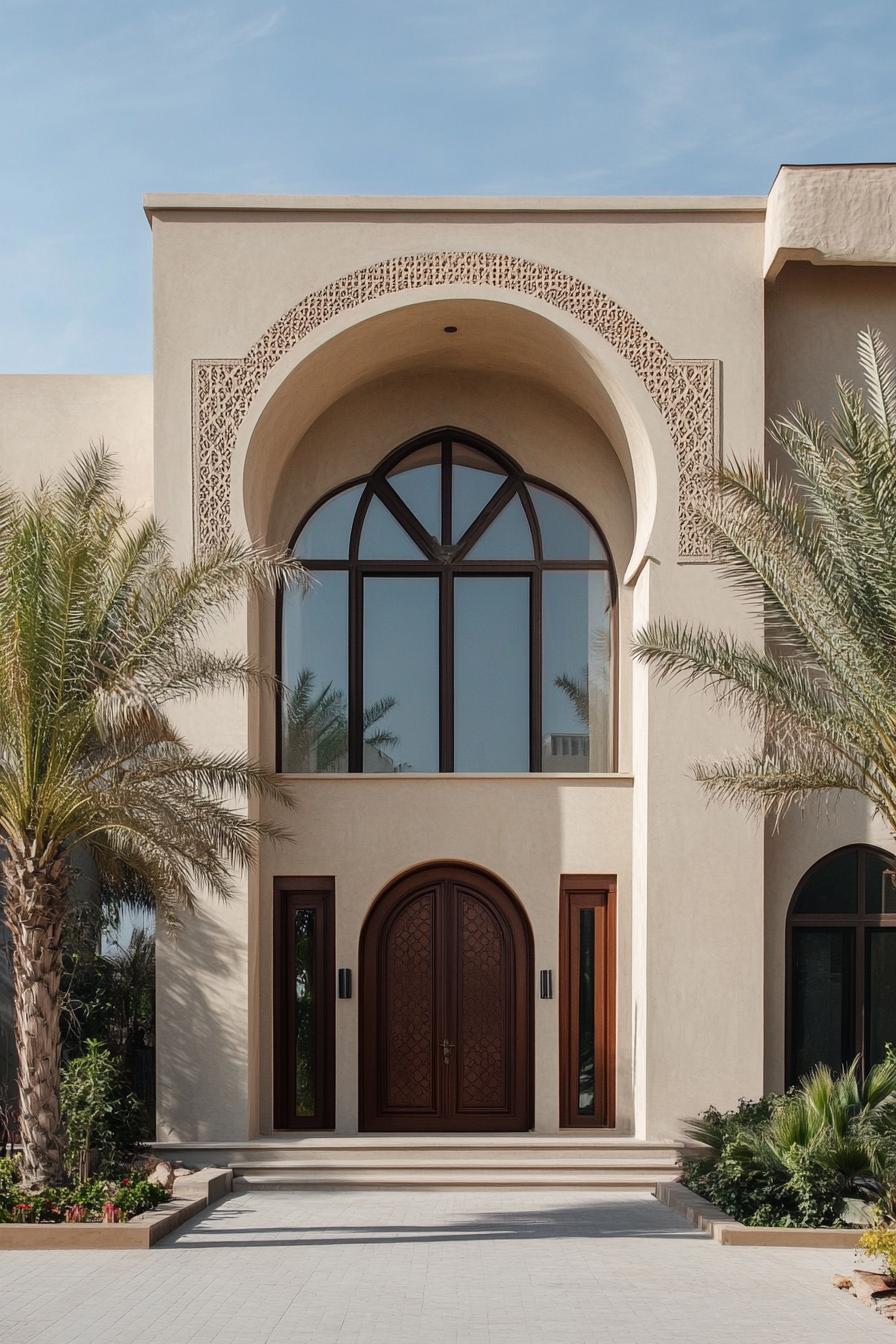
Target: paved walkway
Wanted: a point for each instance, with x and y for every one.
(427, 1267)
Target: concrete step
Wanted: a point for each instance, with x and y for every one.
(605, 1178)
(439, 1160)
(314, 1147)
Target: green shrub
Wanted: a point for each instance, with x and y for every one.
(791, 1161)
(9, 1177)
(139, 1195)
(131, 1195)
(98, 1114)
(818, 1191)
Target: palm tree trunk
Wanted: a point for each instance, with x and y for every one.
(34, 913)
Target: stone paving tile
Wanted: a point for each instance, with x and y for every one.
(432, 1267)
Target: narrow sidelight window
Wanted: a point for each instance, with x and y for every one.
(304, 1007)
(587, 1001)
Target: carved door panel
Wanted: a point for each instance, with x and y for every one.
(481, 972)
(445, 1007)
(409, 995)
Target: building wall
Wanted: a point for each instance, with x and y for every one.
(47, 419)
(690, 879)
(813, 315)
(703, 891)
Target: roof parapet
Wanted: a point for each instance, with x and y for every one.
(831, 215)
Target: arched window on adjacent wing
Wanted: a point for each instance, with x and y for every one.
(841, 933)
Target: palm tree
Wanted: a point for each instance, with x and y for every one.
(812, 548)
(101, 635)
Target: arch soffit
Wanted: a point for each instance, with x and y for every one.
(556, 354)
(684, 391)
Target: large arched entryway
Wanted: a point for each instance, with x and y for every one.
(446, 1005)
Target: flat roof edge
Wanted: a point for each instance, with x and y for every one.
(155, 203)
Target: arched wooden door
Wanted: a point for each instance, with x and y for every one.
(446, 1006)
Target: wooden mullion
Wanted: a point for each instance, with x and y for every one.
(599, 565)
(536, 762)
(356, 672)
(403, 515)
(447, 496)
(446, 672)
(486, 517)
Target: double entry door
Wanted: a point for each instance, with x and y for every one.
(446, 985)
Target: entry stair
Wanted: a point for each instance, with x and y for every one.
(439, 1161)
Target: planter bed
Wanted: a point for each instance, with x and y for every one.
(192, 1194)
(730, 1232)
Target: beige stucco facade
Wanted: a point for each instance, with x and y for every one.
(615, 348)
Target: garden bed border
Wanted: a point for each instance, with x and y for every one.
(729, 1232)
(192, 1194)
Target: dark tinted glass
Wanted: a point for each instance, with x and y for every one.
(821, 1004)
(384, 538)
(586, 1012)
(314, 661)
(881, 993)
(577, 685)
(832, 888)
(565, 533)
(418, 480)
(880, 890)
(326, 534)
(491, 674)
(509, 537)
(306, 1007)
(401, 675)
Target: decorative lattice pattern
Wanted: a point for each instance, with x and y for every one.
(482, 1081)
(684, 390)
(410, 1021)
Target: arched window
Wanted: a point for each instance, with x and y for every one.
(461, 618)
(842, 961)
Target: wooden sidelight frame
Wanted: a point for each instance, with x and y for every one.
(855, 927)
(578, 893)
(292, 894)
(442, 883)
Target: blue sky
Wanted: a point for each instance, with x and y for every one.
(103, 101)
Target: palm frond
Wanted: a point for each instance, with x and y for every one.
(811, 549)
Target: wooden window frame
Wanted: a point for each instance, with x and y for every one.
(584, 892)
(291, 894)
(860, 922)
(446, 561)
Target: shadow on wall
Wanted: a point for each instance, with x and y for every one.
(201, 1053)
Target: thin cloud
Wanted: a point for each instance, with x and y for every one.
(259, 28)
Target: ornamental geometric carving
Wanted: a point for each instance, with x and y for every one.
(685, 391)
